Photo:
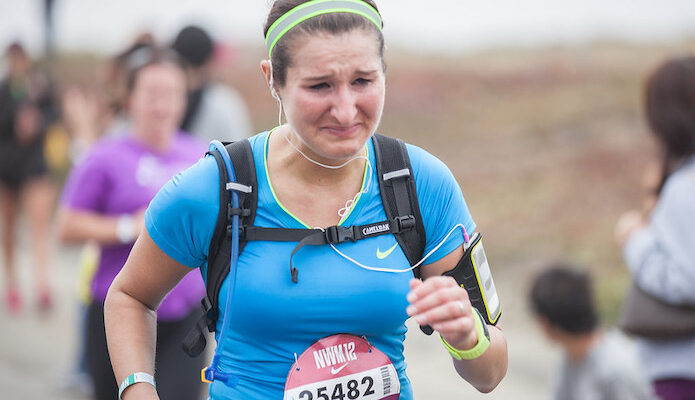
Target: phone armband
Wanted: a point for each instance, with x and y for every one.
(473, 274)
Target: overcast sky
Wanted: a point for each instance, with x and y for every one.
(437, 25)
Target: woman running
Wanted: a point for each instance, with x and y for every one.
(334, 326)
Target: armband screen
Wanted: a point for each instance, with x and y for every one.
(473, 274)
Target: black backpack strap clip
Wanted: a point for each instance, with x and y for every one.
(404, 223)
(242, 212)
(339, 234)
(242, 192)
(206, 305)
(195, 341)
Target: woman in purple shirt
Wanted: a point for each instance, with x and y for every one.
(104, 201)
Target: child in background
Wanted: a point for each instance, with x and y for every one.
(597, 365)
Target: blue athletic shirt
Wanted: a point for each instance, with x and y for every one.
(271, 318)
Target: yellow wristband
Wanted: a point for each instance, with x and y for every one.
(478, 349)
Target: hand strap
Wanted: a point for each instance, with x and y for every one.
(479, 348)
(135, 378)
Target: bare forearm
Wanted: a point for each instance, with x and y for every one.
(486, 371)
(129, 312)
(131, 336)
(82, 226)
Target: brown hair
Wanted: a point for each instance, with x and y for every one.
(333, 23)
(670, 111)
(144, 56)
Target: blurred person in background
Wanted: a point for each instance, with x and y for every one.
(659, 242)
(99, 109)
(214, 110)
(89, 113)
(113, 90)
(26, 110)
(104, 200)
(596, 365)
(109, 116)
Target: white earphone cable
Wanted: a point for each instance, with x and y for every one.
(395, 270)
(349, 203)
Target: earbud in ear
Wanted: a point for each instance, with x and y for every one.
(274, 93)
(271, 84)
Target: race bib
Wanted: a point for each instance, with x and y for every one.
(342, 367)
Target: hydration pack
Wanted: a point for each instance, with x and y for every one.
(397, 188)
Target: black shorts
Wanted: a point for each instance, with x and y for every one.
(21, 164)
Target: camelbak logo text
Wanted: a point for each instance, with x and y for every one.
(370, 230)
(333, 355)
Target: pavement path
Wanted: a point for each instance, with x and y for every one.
(36, 350)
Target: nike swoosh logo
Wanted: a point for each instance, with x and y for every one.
(381, 255)
(335, 371)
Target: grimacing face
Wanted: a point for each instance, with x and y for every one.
(334, 92)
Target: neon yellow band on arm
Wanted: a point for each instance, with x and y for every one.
(313, 8)
(478, 349)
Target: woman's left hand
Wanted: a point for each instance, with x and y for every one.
(441, 303)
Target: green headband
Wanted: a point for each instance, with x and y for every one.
(313, 8)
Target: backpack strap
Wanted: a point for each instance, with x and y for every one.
(397, 187)
(220, 246)
(220, 249)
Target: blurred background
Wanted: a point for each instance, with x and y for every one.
(535, 106)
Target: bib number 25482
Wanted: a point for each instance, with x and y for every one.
(342, 367)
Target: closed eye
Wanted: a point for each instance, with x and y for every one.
(362, 81)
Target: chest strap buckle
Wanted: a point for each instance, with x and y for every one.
(339, 234)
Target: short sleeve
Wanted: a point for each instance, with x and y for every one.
(87, 184)
(441, 204)
(182, 216)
